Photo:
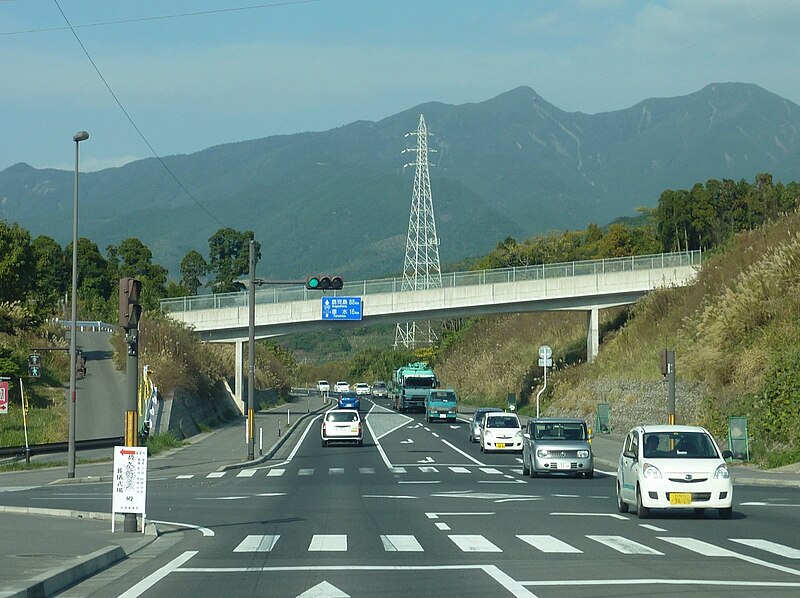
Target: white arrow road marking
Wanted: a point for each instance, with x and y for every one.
(407, 441)
(206, 532)
(323, 590)
(426, 460)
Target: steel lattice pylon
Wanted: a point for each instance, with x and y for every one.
(421, 266)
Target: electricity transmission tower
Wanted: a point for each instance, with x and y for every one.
(421, 267)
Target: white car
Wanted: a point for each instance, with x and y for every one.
(673, 467)
(362, 388)
(342, 425)
(323, 386)
(341, 386)
(501, 432)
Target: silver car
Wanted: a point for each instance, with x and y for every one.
(476, 421)
(557, 445)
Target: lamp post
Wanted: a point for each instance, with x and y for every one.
(77, 138)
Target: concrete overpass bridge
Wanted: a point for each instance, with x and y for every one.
(587, 286)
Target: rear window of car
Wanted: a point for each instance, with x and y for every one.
(502, 421)
(341, 416)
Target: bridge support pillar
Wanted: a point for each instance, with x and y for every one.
(238, 390)
(592, 334)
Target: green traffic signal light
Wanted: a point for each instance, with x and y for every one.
(324, 283)
(312, 282)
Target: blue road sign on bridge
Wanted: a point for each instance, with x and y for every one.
(341, 308)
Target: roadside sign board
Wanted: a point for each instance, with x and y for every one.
(545, 362)
(4, 397)
(341, 308)
(545, 352)
(130, 480)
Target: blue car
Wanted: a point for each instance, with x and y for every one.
(349, 400)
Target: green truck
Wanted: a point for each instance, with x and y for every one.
(441, 404)
(411, 385)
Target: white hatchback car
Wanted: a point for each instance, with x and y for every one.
(341, 386)
(673, 467)
(501, 432)
(363, 389)
(323, 386)
(342, 425)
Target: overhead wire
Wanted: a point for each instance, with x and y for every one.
(132, 122)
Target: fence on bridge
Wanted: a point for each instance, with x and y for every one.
(449, 280)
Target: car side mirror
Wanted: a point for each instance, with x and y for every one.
(526, 436)
(726, 454)
(629, 455)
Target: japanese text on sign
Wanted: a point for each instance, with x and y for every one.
(341, 308)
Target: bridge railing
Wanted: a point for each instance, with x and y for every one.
(281, 294)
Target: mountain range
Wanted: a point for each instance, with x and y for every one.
(339, 200)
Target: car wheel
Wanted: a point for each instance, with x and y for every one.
(641, 511)
(360, 442)
(622, 506)
(726, 513)
(532, 472)
(525, 469)
(324, 442)
(588, 474)
(482, 450)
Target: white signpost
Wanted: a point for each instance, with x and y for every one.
(129, 493)
(545, 355)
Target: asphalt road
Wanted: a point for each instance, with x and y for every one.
(100, 402)
(419, 511)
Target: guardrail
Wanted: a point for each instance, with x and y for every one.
(88, 325)
(60, 447)
(449, 280)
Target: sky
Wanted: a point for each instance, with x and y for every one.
(164, 77)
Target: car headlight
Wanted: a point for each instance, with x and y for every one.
(518, 435)
(583, 454)
(651, 472)
(487, 432)
(543, 453)
(722, 473)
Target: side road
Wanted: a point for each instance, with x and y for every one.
(47, 550)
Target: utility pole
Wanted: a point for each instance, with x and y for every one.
(130, 310)
(421, 268)
(251, 354)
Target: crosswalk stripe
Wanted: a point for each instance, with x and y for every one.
(257, 543)
(398, 470)
(491, 470)
(366, 470)
(273, 473)
(624, 545)
(246, 473)
(216, 474)
(185, 477)
(473, 543)
(395, 543)
(459, 470)
(547, 543)
(428, 469)
(772, 547)
(335, 470)
(328, 543)
(306, 472)
(699, 546)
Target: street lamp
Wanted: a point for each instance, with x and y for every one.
(77, 138)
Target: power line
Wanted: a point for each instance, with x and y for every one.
(133, 124)
(160, 17)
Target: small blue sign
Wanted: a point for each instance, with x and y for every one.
(341, 308)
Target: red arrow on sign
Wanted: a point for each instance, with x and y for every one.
(124, 452)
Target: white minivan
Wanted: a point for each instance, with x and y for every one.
(501, 431)
(673, 467)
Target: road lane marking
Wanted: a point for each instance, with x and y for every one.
(453, 514)
(473, 543)
(707, 549)
(216, 474)
(307, 471)
(624, 545)
(428, 469)
(462, 453)
(184, 476)
(152, 579)
(335, 470)
(612, 515)
(459, 470)
(491, 470)
(257, 543)
(654, 528)
(400, 543)
(766, 545)
(274, 473)
(442, 526)
(389, 496)
(547, 543)
(246, 473)
(366, 470)
(419, 481)
(328, 543)
(398, 469)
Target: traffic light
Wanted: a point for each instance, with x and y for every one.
(35, 365)
(324, 283)
(129, 307)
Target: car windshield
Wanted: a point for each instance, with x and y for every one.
(502, 421)
(679, 445)
(342, 416)
(379, 385)
(559, 431)
(443, 395)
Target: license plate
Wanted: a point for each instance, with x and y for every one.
(501, 445)
(680, 498)
(442, 416)
(564, 466)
